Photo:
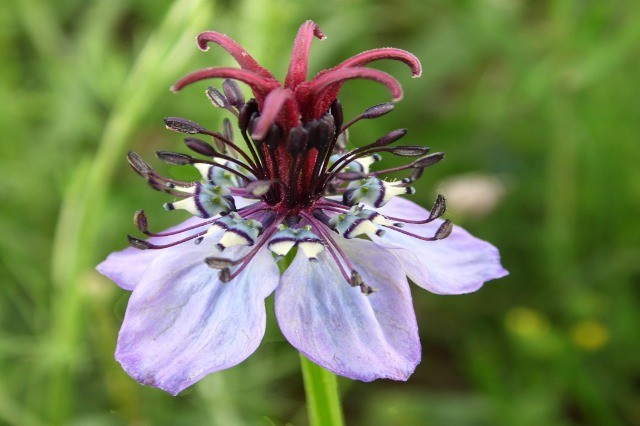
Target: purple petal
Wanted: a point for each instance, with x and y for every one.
(336, 326)
(126, 267)
(182, 323)
(461, 263)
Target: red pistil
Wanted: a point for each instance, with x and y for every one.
(299, 64)
(260, 85)
(241, 56)
(322, 89)
(273, 104)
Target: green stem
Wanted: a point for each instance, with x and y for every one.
(323, 400)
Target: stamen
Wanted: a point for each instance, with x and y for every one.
(297, 140)
(215, 262)
(174, 158)
(370, 113)
(429, 160)
(145, 245)
(356, 279)
(227, 132)
(138, 165)
(443, 232)
(419, 166)
(141, 222)
(233, 93)
(182, 125)
(200, 146)
(218, 99)
(337, 113)
(408, 151)
(251, 209)
(259, 188)
(223, 166)
(383, 141)
(438, 209)
(232, 145)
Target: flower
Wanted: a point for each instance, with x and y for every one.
(199, 289)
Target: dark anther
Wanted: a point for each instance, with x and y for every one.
(154, 184)
(219, 262)
(233, 93)
(439, 207)
(258, 188)
(182, 125)
(138, 243)
(227, 132)
(245, 114)
(319, 132)
(378, 110)
(390, 137)
(198, 240)
(322, 217)
(356, 279)
(273, 137)
(253, 122)
(409, 151)
(174, 158)
(217, 98)
(336, 111)
(227, 129)
(415, 174)
(444, 231)
(200, 146)
(225, 275)
(366, 290)
(429, 160)
(140, 220)
(347, 199)
(297, 141)
(350, 176)
(220, 146)
(138, 164)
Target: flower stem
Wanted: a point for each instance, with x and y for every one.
(323, 400)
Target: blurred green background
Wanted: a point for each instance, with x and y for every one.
(536, 103)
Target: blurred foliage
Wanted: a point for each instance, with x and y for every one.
(542, 95)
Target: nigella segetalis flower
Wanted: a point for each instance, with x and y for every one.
(294, 185)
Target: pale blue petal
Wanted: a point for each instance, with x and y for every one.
(461, 263)
(182, 323)
(126, 267)
(363, 337)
